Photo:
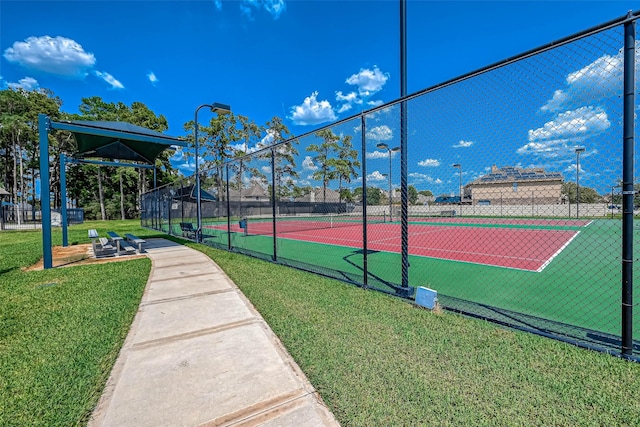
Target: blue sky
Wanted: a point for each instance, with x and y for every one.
(309, 62)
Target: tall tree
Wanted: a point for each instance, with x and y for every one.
(285, 163)
(413, 194)
(215, 143)
(347, 163)
(587, 195)
(19, 141)
(249, 133)
(323, 160)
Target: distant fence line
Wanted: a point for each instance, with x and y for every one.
(14, 218)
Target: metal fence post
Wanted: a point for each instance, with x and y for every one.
(363, 125)
(627, 186)
(228, 207)
(404, 192)
(273, 203)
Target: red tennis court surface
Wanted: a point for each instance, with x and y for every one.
(518, 248)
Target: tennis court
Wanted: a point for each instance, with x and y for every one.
(554, 269)
(523, 244)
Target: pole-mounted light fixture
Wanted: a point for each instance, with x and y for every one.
(459, 166)
(578, 150)
(218, 108)
(384, 146)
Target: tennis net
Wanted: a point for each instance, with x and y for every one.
(294, 223)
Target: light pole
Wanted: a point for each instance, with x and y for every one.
(459, 166)
(215, 108)
(578, 151)
(384, 146)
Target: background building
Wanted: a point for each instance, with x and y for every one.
(516, 186)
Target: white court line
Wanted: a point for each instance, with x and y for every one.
(557, 253)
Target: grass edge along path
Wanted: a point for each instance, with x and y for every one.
(377, 360)
(62, 329)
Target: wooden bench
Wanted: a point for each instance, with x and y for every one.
(121, 244)
(187, 229)
(136, 241)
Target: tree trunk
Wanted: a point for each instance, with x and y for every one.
(16, 200)
(103, 212)
(122, 197)
(324, 191)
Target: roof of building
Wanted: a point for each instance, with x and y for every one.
(255, 191)
(516, 174)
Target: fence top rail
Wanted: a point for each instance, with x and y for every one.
(631, 16)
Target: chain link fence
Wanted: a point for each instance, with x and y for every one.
(511, 204)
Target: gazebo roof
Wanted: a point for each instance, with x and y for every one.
(118, 140)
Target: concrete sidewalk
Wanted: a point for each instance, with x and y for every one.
(198, 353)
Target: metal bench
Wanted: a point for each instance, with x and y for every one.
(135, 240)
(121, 244)
(187, 230)
(101, 245)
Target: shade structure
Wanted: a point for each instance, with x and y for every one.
(188, 193)
(119, 141)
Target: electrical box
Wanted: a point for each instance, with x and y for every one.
(426, 297)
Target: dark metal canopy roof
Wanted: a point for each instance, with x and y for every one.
(188, 193)
(118, 140)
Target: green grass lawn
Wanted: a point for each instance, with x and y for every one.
(61, 328)
(375, 360)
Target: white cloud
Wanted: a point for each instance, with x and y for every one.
(463, 144)
(430, 163)
(177, 155)
(55, 55)
(420, 177)
(246, 9)
(599, 79)
(375, 103)
(380, 133)
(571, 169)
(437, 181)
(275, 8)
(348, 99)
(306, 181)
(152, 78)
(559, 137)
(307, 164)
(351, 97)
(268, 138)
(266, 169)
(312, 112)
(368, 81)
(344, 107)
(28, 83)
(218, 4)
(115, 84)
(376, 176)
(582, 121)
(378, 155)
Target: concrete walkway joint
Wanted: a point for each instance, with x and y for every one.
(199, 354)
